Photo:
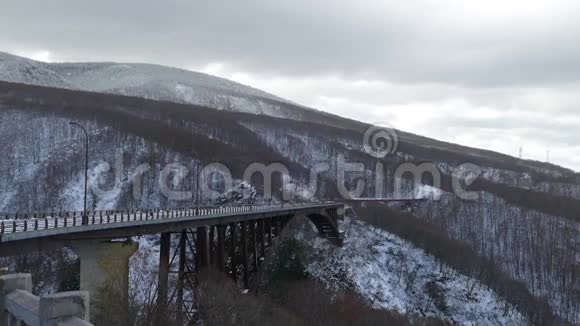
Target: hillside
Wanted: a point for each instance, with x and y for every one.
(392, 274)
(525, 217)
(188, 87)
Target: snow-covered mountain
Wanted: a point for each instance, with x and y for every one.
(170, 84)
(147, 81)
(525, 220)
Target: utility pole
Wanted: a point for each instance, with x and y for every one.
(197, 185)
(85, 217)
(196, 171)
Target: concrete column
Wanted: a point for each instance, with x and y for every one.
(105, 273)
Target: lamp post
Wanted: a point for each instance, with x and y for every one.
(196, 171)
(85, 217)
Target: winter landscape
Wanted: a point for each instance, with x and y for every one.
(149, 181)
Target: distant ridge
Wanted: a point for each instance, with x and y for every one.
(144, 80)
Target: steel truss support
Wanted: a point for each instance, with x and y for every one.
(163, 280)
(237, 248)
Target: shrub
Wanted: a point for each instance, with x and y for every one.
(289, 263)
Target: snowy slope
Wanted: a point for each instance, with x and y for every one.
(22, 70)
(42, 168)
(144, 80)
(392, 274)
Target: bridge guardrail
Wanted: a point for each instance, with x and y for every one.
(18, 306)
(44, 221)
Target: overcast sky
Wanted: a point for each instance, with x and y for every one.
(494, 74)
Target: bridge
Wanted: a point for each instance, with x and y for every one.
(231, 239)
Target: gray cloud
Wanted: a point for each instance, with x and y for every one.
(421, 42)
(494, 74)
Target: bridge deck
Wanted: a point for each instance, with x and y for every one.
(123, 224)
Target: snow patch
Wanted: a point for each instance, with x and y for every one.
(392, 274)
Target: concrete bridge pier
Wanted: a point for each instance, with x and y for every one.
(104, 273)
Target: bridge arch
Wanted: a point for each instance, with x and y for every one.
(327, 226)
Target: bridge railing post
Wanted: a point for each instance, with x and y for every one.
(85, 218)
